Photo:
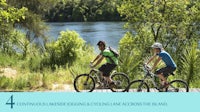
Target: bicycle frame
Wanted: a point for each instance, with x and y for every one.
(150, 76)
(94, 74)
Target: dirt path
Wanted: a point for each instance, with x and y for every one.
(8, 72)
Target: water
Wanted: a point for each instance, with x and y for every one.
(91, 32)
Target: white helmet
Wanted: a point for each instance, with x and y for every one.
(157, 45)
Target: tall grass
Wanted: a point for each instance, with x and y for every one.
(32, 75)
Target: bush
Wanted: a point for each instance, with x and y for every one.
(5, 83)
(65, 50)
(133, 50)
(129, 56)
(190, 63)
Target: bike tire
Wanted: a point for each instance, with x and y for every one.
(122, 81)
(134, 86)
(177, 86)
(84, 83)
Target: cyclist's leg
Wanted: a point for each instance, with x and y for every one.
(163, 73)
(106, 73)
(102, 70)
(163, 80)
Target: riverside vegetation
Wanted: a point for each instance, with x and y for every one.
(39, 65)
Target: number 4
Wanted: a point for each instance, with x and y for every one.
(10, 102)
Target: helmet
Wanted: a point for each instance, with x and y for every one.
(157, 45)
(101, 43)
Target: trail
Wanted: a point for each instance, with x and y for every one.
(11, 73)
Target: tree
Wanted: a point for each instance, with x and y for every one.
(35, 6)
(9, 16)
(173, 23)
(33, 25)
(84, 10)
(170, 22)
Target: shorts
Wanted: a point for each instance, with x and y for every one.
(107, 68)
(165, 71)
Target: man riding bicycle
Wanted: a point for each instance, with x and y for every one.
(167, 59)
(111, 62)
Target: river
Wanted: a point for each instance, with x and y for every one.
(91, 32)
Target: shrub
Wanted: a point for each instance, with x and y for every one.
(65, 50)
(190, 63)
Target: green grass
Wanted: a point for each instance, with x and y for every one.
(32, 76)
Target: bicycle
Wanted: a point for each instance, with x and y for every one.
(142, 86)
(88, 82)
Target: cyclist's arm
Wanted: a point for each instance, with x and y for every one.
(156, 63)
(151, 59)
(99, 61)
(96, 58)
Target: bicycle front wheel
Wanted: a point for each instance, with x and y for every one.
(177, 86)
(84, 83)
(138, 86)
(121, 82)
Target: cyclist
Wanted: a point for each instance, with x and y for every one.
(111, 62)
(167, 59)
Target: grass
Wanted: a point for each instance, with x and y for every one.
(31, 76)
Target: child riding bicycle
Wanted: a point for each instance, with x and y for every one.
(111, 62)
(167, 59)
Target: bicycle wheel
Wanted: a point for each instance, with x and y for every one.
(121, 82)
(177, 86)
(138, 86)
(84, 83)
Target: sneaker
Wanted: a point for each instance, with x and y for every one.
(164, 86)
(112, 85)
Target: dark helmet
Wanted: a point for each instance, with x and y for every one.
(101, 43)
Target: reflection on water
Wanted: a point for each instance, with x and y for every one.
(91, 32)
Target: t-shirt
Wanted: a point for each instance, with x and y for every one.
(109, 55)
(167, 59)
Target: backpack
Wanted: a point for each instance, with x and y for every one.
(116, 54)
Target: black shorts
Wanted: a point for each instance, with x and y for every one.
(107, 68)
(165, 71)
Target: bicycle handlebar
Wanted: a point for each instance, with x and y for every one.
(91, 65)
(147, 68)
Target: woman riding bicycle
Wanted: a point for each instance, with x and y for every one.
(167, 59)
(111, 62)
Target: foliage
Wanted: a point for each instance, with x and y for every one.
(84, 10)
(32, 24)
(173, 23)
(65, 50)
(31, 75)
(5, 82)
(35, 6)
(190, 64)
(130, 64)
(9, 16)
(168, 21)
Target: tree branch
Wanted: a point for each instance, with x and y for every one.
(152, 30)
